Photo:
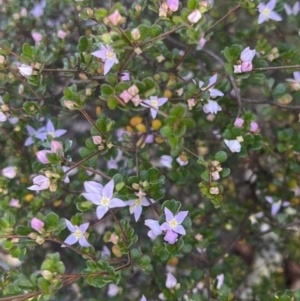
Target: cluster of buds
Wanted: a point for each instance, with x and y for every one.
(97, 140)
(215, 168)
(274, 54)
(167, 8)
(38, 226)
(131, 94)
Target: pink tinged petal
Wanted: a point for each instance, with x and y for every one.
(101, 211)
(93, 197)
(181, 216)
(126, 96)
(274, 16)
(9, 172)
(253, 126)
(116, 203)
(246, 67)
(71, 240)
(162, 101)
(50, 127)
(271, 4)
(108, 65)
(83, 242)
(70, 226)
(261, 18)
(2, 117)
(153, 113)
(180, 230)
(84, 227)
(171, 281)
(137, 212)
(36, 224)
(35, 187)
(171, 237)
(165, 227)
(239, 122)
(237, 68)
(91, 186)
(42, 156)
(101, 54)
(173, 5)
(56, 146)
(108, 189)
(169, 214)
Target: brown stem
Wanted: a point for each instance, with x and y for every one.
(276, 68)
(86, 115)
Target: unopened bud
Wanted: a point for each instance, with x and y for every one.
(138, 7)
(39, 240)
(135, 33)
(47, 275)
(89, 12)
(135, 186)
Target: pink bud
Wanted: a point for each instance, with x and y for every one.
(61, 34)
(194, 16)
(135, 33)
(173, 5)
(171, 237)
(9, 172)
(246, 67)
(115, 17)
(37, 36)
(214, 190)
(253, 126)
(56, 147)
(97, 140)
(42, 156)
(14, 203)
(126, 96)
(36, 224)
(215, 175)
(202, 42)
(239, 122)
(191, 103)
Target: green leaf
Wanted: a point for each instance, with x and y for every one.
(205, 175)
(221, 156)
(155, 30)
(27, 50)
(192, 4)
(100, 14)
(107, 90)
(225, 172)
(51, 220)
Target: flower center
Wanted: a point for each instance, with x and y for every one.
(51, 134)
(266, 12)
(173, 223)
(154, 103)
(109, 54)
(78, 234)
(138, 202)
(105, 201)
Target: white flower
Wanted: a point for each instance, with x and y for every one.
(233, 145)
(211, 107)
(25, 70)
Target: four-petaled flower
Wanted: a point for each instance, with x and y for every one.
(108, 57)
(77, 234)
(266, 12)
(137, 203)
(32, 133)
(25, 70)
(233, 145)
(102, 197)
(50, 130)
(154, 103)
(212, 91)
(211, 107)
(276, 205)
(173, 223)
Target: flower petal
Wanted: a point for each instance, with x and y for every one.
(108, 189)
(181, 216)
(153, 113)
(274, 16)
(93, 197)
(108, 65)
(165, 227)
(71, 239)
(162, 101)
(84, 227)
(60, 132)
(261, 18)
(115, 203)
(70, 226)
(101, 211)
(271, 4)
(137, 212)
(169, 215)
(180, 230)
(50, 127)
(92, 186)
(83, 242)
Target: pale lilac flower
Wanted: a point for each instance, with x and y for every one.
(38, 9)
(37, 36)
(276, 205)
(105, 251)
(233, 145)
(14, 203)
(246, 57)
(215, 175)
(113, 163)
(32, 133)
(50, 130)
(194, 16)
(137, 203)
(171, 281)
(125, 76)
(212, 91)
(36, 224)
(173, 5)
(246, 67)
(143, 298)
(154, 103)
(77, 234)
(266, 12)
(173, 222)
(220, 279)
(171, 237)
(113, 290)
(211, 107)
(166, 161)
(155, 228)
(9, 172)
(104, 199)
(25, 70)
(40, 183)
(253, 126)
(93, 190)
(108, 57)
(289, 10)
(239, 122)
(61, 34)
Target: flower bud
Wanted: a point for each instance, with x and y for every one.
(135, 33)
(89, 12)
(171, 281)
(194, 16)
(47, 275)
(36, 224)
(239, 122)
(214, 190)
(9, 172)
